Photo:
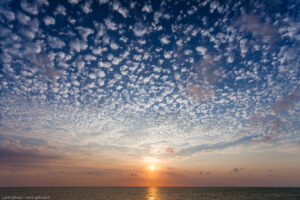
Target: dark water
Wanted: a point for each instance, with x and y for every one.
(176, 193)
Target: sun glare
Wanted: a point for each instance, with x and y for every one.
(152, 167)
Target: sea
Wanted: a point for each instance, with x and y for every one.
(148, 193)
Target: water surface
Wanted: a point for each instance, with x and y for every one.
(151, 193)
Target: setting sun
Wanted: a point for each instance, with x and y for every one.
(152, 167)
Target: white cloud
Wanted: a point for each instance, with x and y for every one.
(147, 8)
(101, 82)
(31, 8)
(230, 59)
(201, 50)
(91, 85)
(99, 50)
(60, 10)
(78, 45)
(213, 6)
(114, 46)
(157, 16)
(27, 33)
(119, 87)
(80, 65)
(55, 42)
(243, 47)
(117, 7)
(192, 10)
(84, 32)
(76, 83)
(139, 29)
(49, 20)
(10, 16)
(167, 54)
(103, 1)
(116, 61)
(86, 8)
(92, 76)
(165, 40)
(73, 1)
(23, 19)
(101, 74)
(110, 24)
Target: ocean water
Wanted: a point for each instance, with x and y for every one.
(151, 193)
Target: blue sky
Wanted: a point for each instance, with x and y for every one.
(159, 79)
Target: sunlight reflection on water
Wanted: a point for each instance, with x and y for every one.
(153, 193)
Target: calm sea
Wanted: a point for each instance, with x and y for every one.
(151, 193)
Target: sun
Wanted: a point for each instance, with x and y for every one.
(152, 167)
(152, 163)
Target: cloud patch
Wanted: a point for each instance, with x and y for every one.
(286, 102)
(200, 148)
(23, 157)
(170, 150)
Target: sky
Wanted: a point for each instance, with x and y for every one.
(149, 93)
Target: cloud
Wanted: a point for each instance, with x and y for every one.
(208, 69)
(205, 173)
(23, 157)
(95, 173)
(23, 19)
(286, 102)
(133, 174)
(269, 122)
(269, 172)
(78, 45)
(102, 1)
(73, 1)
(55, 42)
(170, 150)
(277, 123)
(139, 29)
(222, 145)
(31, 8)
(60, 10)
(165, 40)
(117, 7)
(237, 170)
(266, 138)
(202, 93)
(28, 34)
(147, 8)
(201, 50)
(252, 23)
(45, 65)
(114, 46)
(84, 32)
(110, 24)
(86, 8)
(208, 73)
(83, 171)
(10, 16)
(49, 20)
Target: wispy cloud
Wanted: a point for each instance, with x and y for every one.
(200, 148)
(24, 157)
